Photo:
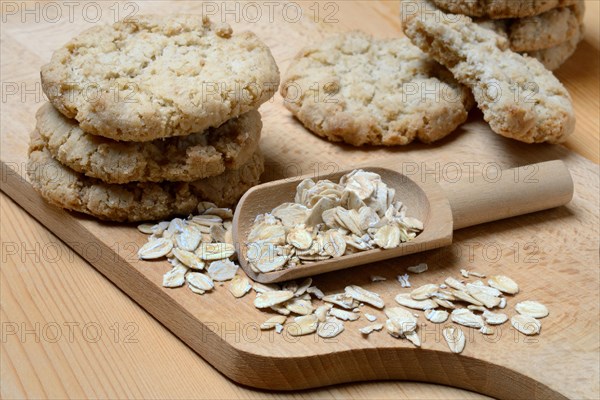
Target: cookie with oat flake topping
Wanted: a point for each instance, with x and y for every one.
(360, 90)
(518, 96)
(152, 77)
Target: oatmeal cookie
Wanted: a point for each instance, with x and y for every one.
(152, 77)
(180, 159)
(65, 188)
(519, 97)
(501, 8)
(364, 91)
(543, 31)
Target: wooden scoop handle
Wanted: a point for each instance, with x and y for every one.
(496, 194)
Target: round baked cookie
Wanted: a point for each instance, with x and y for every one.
(179, 159)
(152, 77)
(500, 8)
(542, 31)
(519, 97)
(554, 57)
(133, 202)
(363, 91)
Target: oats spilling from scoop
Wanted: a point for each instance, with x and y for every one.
(202, 257)
(329, 220)
(200, 243)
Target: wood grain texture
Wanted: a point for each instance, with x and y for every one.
(53, 285)
(544, 252)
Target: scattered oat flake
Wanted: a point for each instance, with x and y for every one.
(303, 325)
(436, 316)
(532, 309)
(299, 306)
(223, 213)
(222, 270)
(188, 258)
(189, 238)
(280, 309)
(200, 281)
(344, 315)
(342, 300)
(271, 298)
(455, 338)
(315, 291)
(366, 330)
(196, 290)
(239, 286)
(424, 292)
(454, 283)
(272, 322)
(365, 296)
(303, 287)
(526, 325)
(175, 277)
(377, 278)
(413, 337)
(494, 318)
(444, 303)
(370, 317)
(146, 228)
(418, 269)
(443, 295)
(403, 279)
(176, 225)
(321, 311)
(467, 298)
(405, 300)
(331, 327)
(502, 303)
(484, 298)
(400, 321)
(155, 249)
(264, 287)
(465, 317)
(486, 330)
(279, 328)
(503, 284)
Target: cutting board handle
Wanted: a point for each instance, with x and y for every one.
(496, 194)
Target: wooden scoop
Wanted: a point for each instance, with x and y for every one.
(456, 204)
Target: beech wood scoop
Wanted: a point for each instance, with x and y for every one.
(455, 204)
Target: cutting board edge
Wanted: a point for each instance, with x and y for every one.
(239, 362)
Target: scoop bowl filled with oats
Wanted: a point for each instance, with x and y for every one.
(301, 227)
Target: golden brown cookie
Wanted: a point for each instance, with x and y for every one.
(542, 31)
(500, 8)
(180, 159)
(65, 188)
(518, 96)
(554, 57)
(364, 91)
(152, 77)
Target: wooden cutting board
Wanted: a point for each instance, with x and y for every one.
(553, 255)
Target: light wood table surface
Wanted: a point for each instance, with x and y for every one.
(76, 335)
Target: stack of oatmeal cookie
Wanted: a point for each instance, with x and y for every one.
(518, 96)
(548, 30)
(150, 116)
